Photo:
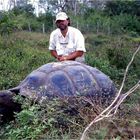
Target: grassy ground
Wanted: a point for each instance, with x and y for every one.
(22, 52)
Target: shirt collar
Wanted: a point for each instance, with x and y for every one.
(60, 34)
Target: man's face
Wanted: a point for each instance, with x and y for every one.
(62, 24)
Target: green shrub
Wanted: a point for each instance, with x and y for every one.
(27, 125)
(20, 58)
(96, 40)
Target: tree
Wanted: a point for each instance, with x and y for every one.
(47, 20)
(54, 6)
(27, 9)
(120, 6)
(7, 24)
(10, 4)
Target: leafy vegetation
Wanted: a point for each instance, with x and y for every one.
(117, 17)
(25, 51)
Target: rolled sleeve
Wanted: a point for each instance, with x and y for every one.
(52, 45)
(80, 43)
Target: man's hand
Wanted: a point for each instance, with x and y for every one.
(62, 58)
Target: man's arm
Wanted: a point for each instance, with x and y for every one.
(54, 53)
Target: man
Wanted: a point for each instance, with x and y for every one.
(66, 42)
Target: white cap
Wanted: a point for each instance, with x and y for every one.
(61, 16)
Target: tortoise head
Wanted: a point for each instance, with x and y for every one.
(8, 106)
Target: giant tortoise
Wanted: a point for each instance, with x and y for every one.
(60, 79)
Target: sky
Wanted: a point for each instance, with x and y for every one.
(4, 5)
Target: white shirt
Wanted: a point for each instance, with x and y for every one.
(73, 41)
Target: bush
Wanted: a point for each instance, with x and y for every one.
(7, 25)
(19, 58)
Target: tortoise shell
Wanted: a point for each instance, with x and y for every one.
(66, 79)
